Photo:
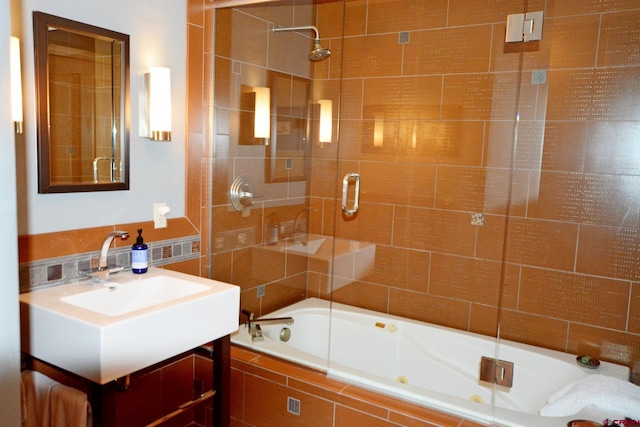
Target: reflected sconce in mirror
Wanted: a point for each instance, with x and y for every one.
(262, 112)
(16, 84)
(326, 121)
(155, 104)
(378, 130)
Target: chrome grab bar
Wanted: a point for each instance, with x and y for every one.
(356, 196)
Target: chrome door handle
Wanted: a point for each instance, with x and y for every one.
(356, 198)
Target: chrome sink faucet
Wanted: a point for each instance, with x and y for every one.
(255, 331)
(103, 270)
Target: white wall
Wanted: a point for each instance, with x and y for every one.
(10, 414)
(157, 30)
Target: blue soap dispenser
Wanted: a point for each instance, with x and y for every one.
(139, 255)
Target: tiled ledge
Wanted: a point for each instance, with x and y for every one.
(60, 270)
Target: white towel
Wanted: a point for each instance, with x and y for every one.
(69, 407)
(608, 393)
(51, 404)
(37, 393)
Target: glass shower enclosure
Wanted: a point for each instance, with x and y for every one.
(498, 181)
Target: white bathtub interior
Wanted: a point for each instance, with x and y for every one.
(425, 364)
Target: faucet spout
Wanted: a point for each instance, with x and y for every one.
(103, 270)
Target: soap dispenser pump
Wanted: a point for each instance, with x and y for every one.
(139, 255)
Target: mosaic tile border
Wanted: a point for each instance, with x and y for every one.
(58, 271)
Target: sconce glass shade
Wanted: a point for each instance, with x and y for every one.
(262, 120)
(326, 120)
(16, 83)
(155, 104)
(378, 130)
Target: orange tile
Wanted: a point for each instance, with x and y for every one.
(441, 142)
(406, 98)
(605, 344)
(616, 47)
(237, 394)
(608, 252)
(253, 267)
(346, 417)
(482, 190)
(372, 56)
(634, 309)
(483, 320)
(466, 279)
(609, 148)
(462, 12)
(534, 330)
(429, 308)
(395, 183)
(579, 7)
(373, 223)
(571, 94)
(242, 37)
(365, 295)
(273, 411)
(448, 50)
(595, 199)
(434, 229)
(469, 97)
(191, 266)
(400, 268)
(539, 243)
(405, 15)
(585, 299)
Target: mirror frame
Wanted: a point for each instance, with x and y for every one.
(41, 24)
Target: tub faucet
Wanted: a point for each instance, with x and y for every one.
(255, 331)
(103, 270)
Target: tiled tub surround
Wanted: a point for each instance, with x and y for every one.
(56, 271)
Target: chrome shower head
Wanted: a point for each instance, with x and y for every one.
(318, 53)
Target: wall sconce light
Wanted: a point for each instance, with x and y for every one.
(326, 121)
(155, 104)
(262, 112)
(16, 83)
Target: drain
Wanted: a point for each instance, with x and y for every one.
(285, 334)
(402, 379)
(588, 362)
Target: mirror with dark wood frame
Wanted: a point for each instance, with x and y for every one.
(82, 101)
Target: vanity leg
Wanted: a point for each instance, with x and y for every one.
(222, 382)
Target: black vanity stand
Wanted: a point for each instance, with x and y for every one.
(222, 382)
(103, 411)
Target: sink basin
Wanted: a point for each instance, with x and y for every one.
(311, 247)
(117, 300)
(105, 331)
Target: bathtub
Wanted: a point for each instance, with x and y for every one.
(430, 365)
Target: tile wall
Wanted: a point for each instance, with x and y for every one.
(51, 259)
(429, 97)
(558, 247)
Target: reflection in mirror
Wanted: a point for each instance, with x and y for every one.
(288, 148)
(82, 86)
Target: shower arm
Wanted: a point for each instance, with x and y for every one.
(276, 30)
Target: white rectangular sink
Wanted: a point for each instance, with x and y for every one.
(105, 331)
(148, 291)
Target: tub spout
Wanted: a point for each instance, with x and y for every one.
(255, 331)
